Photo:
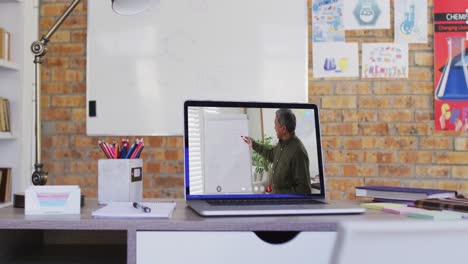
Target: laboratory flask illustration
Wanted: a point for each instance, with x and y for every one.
(407, 25)
(453, 84)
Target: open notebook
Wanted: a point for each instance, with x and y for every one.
(126, 210)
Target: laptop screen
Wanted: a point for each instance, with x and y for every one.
(252, 150)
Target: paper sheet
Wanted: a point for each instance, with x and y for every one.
(126, 210)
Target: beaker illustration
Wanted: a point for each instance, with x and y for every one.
(453, 84)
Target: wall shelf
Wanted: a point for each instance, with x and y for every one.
(6, 135)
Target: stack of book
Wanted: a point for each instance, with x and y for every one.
(402, 194)
(4, 115)
(5, 185)
(5, 44)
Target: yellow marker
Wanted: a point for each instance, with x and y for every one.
(343, 64)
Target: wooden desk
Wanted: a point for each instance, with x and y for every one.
(82, 239)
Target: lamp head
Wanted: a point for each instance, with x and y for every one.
(130, 7)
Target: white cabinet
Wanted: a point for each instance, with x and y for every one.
(20, 18)
(231, 248)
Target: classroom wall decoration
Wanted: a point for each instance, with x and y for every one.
(335, 60)
(410, 21)
(367, 14)
(384, 60)
(327, 21)
(450, 65)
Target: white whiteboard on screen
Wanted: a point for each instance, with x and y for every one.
(229, 170)
(141, 68)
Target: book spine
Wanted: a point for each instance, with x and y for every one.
(441, 205)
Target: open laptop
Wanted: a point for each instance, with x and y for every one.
(224, 175)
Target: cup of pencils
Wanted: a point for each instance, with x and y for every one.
(124, 150)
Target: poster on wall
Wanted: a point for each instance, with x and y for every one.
(384, 60)
(450, 65)
(367, 14)
(335, 60)
(327, 21)
(410, 21)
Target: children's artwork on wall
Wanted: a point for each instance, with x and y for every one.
(367, 14)
(327, 21)
(384, 60)
(450, 65)
(335, 60)
(410, 21)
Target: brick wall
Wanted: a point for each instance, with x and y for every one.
(374, 131)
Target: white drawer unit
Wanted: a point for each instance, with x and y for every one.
(230, 247)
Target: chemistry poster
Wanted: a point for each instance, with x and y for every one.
(327, 21)
(410, 21)
(367, 14)
(384, 60)
(335, 60)
(450, 65)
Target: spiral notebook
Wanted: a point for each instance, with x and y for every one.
(126, 210)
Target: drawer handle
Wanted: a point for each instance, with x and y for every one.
(276, 237)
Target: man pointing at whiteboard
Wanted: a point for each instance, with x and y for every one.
(289, 157)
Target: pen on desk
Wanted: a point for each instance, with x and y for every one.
(146, 209)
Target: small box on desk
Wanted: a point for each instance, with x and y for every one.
(52, 199)
(120, 180)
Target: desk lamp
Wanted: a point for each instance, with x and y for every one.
(39, 49)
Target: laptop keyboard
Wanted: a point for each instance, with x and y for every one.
(263, 202)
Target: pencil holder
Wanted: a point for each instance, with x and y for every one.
(120, 180)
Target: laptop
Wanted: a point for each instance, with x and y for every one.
(255, 158)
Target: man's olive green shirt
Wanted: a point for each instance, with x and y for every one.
(290, 168)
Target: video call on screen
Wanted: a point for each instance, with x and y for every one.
(221, 163)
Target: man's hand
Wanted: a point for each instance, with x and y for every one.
(248, 140)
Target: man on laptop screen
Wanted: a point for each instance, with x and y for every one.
(263, 154)
(289, 158)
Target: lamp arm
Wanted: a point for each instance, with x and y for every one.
(39, 49)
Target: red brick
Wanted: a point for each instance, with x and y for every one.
(80, 167)
(420, 184)
(70, 128)
(168, 181)
(397, 143)
(332, 169)
(331, 115)
(68, 101)
(382, 181)
(342, 156)
(85, 141)
(359, 170)
(431, 171)
(436, 143)
(339, 102)
(421, 87)
(374, 102)
(153, 167)
(461, 144)
(415, 157)
(396, 116)
(413, 129)
(347, 184)
(460, 172)
(54, 114)
(79, 114)
(330, 142)
(56, 62)
(377, 129)
(395, 171)
(155, 141)
(321, 88)
(69, 180)
(379, 157)
(452, 158)
(360, 116)
(390, 87)
(345, 129)
(353, 88)
(175, 142)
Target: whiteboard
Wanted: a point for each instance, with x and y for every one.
(227, 157)
(141, 68)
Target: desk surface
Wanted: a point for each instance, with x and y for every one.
(183, 219)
